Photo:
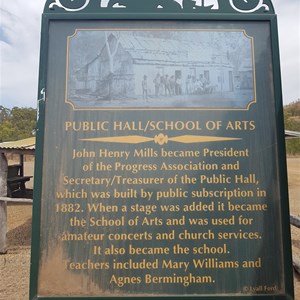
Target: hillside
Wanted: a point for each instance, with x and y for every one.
(292, 122)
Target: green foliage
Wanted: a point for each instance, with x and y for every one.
(293, 109)
(292, 122)
(4, 114)
(17, 123)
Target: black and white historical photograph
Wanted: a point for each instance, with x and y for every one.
(160, 69)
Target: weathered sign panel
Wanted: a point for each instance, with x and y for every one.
(161, 162)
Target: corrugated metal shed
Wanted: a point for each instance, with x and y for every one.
(26, 146)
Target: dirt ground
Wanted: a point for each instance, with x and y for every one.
(14, 266)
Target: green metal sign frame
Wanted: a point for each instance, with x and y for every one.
(226, 11)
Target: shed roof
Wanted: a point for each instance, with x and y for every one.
(26, 146)
(158, 49)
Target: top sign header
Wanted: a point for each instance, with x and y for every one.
(162, 6)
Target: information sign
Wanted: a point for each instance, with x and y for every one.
(160, 167)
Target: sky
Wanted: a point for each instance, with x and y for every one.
(20, 27)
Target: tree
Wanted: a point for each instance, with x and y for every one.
(18, 123)
(7, 132)
(4, 113)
